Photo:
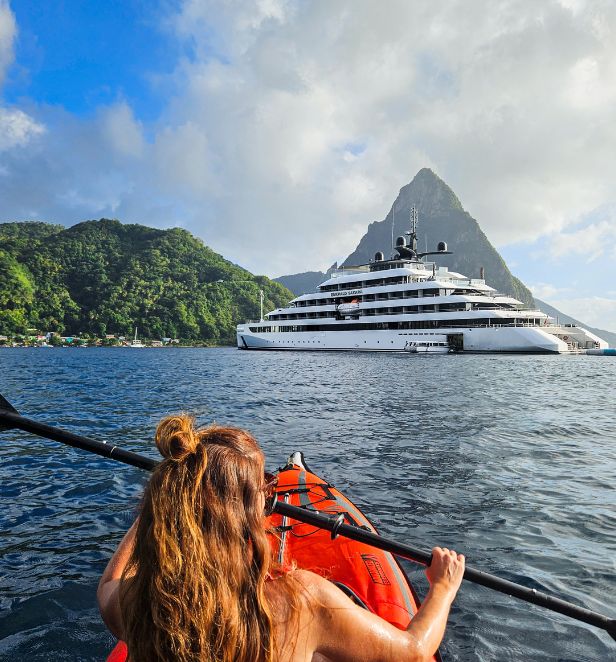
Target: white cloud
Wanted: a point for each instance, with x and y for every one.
(589, 87)
(546, 291)
(511, 102)
(590, 242)
(122, 131)
(8, 32)
(17, 128)
(184, 162)
(573, 5)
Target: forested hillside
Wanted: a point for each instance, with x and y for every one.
(103, 277)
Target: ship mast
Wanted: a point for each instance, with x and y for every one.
(414, 221)
(408, 250)
(413, 233)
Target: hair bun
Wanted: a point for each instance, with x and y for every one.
(176, 437)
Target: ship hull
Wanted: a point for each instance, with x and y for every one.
(485, 339)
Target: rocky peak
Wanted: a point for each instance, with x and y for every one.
(428, 193)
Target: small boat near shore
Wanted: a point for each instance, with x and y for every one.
(135, 343)
(427, 347)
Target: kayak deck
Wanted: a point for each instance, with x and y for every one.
(372, 575)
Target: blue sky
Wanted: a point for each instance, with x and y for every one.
(81, 54)
(259, 126)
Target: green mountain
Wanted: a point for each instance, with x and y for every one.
(103, 277)
(441, 218)
(305, 282)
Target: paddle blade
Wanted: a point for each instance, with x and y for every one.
(5, 405)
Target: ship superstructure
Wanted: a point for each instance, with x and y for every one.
(388, 304)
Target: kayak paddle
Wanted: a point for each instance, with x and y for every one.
(11, 419)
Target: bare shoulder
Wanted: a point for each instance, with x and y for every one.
(306, 583)
(332, 627)
(294, 599)
(344, 631)
(108, 597)
(310, 581)
(318, 593)
(305, 590)
(324, 593)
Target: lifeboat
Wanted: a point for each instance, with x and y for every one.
(349, 309)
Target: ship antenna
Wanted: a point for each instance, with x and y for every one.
(393, 222)
(413, 233)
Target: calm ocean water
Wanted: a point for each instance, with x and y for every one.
(510, 459)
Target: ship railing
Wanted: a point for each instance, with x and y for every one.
(472, 326)
(541, 325)
(404, 280)
(442, 329)
(468, 281)
(519, 324)
(349, 272)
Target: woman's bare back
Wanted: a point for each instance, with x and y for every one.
(324, 625)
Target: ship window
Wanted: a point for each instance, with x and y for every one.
(410, 325)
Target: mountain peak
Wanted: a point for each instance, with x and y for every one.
(434, 201)
(441, 218)
(429, 193)
(429, 176)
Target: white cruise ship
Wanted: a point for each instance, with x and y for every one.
(387, 305)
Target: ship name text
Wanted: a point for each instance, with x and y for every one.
(345, 293)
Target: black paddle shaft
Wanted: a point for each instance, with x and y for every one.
(9, 419)
(476, 576)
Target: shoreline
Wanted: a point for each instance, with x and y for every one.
(94, 346)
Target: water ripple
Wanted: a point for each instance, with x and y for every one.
(509, 459)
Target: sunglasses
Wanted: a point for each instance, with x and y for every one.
(269, 490)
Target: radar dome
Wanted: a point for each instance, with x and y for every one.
(378, 256)
(400, 241)
(442, 246)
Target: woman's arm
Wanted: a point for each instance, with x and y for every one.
(108, 593)
(445, 576)
(347, 632)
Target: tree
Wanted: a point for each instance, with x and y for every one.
(103, 277)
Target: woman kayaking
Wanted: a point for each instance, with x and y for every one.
(194, 579)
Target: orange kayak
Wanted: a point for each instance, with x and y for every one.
(371, 577)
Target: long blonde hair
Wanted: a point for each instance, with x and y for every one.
(194, 587)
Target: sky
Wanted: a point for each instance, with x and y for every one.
(276, 130)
